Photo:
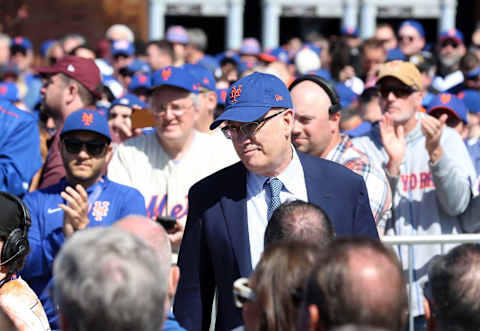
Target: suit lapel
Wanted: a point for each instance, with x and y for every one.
(234, 205)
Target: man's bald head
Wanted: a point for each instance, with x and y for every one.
(316, 131)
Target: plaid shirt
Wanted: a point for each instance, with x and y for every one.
(378, 188)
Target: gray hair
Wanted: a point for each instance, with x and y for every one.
(198, 38)
(108, 279)
(122, 29)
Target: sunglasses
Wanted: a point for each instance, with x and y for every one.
(399, 91)
(406, 38)
(93, 147)
(449, 42)
(242, 292)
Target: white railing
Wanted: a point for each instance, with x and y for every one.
(426, 240)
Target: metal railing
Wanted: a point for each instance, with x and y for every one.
(425, 240)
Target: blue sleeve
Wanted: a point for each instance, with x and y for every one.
(49, 306)
(133, 203)
(171, 324)
(20, 156)
(51, 245)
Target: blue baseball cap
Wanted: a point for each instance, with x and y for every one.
(21, 42)
(222, 96)
(471, 99)
(321, 73)
(9, 92)
(451, 103)
(250, 46)
(203, 76)
(138, 65)
(346, 94)
(177, 34)
(140, 80)
(122, 47)
(349, 31)
(130, 101)
(176, 77)
(274, 54)
(473, 73)
(87, 120)
(452, 34)
(414, 24)
(46, 46)
(252, 97)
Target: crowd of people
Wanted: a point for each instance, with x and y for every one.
(152, 186)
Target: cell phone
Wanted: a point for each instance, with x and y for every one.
(142, 118)
(168, 223)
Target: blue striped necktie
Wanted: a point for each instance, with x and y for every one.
(274, 186)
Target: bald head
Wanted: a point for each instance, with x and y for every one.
(315, 131)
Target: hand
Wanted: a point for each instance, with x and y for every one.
(394, 143)
(432, 129)
(175, 235)
(75, 215)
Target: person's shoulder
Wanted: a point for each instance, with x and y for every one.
(139, 141)
(325, 169)
(122, 189)
(222, 178)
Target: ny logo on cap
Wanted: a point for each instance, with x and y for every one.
(142, 79)
(235, 93)
(87, 119)
(445, 98)
(70, 68)
(166, 73)
(205, 80)
(223, 95)
(3, 89)
(278, 98)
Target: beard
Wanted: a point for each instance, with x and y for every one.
(449, 61)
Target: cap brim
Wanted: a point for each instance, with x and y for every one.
(396, 77)
(456, 39)
(445, 108)
(46, 70)
(241, 114)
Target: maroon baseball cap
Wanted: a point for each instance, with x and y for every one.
(84, 71)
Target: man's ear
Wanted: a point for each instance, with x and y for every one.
(428, 315)
(72, 92)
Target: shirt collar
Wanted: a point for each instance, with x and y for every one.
(291, 177)
(101, 182)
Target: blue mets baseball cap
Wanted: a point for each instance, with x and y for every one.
(252, 97)
(130, 101)
(452, 34)
(471, 99)
(21, 42)
(122, 47)
(203, 76)
(139, 80)
(177, 34)
(450, 103)
(9, 92)
(46, 46)
(176, 77)
(414, 24)
(87, 120)
(250, 46)
(222, 96)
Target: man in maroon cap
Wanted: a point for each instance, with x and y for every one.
(70, 84)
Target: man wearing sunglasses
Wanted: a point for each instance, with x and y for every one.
(411, 37)
(430, 172)
(229, 210)
(450, 49)
(83, 198)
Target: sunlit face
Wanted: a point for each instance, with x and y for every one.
(267, 151)
(53, 93)
(84, 167)
(401, 107)
(372, 59)
(158, 59)
(175, 114)
(120, 116)
(314, 127)
(410, 41)
(386, 35)
(450, 52)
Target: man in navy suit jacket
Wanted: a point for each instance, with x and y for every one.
(228, 211)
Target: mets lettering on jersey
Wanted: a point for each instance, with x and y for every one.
(156, 207)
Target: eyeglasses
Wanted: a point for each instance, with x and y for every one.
(93, 147)
(246, 129)
(449, 42)
(399, 91)
(406, 38)
(176, 109)
(242, 292)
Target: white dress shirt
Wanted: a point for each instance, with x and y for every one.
(258, 199)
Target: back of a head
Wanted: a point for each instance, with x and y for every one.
(348, 286)
(108, 279)
(454, 280)
(278, 282)
(299, 220)
(198, 38)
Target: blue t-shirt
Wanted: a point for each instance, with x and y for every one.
(108, 202)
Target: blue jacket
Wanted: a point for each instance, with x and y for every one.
(20, 156)
(110, 202)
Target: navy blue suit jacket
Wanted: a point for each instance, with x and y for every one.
(215, 249)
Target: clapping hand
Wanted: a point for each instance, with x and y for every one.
(393, 140)
(75, 215)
